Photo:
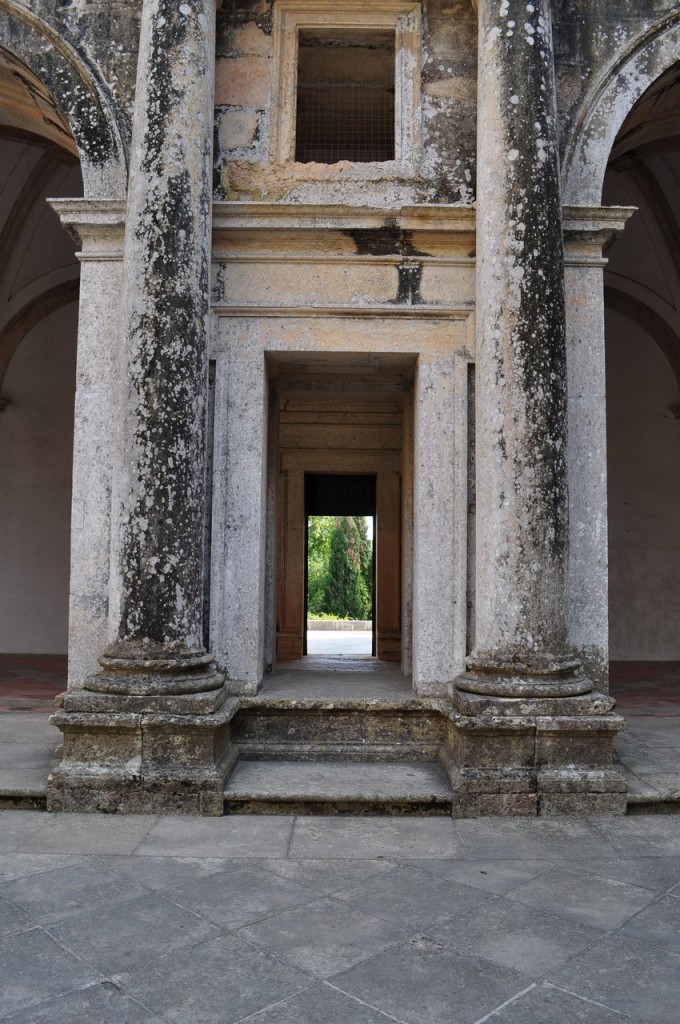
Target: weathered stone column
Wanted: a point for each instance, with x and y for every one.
(522, 531)
(155, 714)
(528, 736)
(165, 312)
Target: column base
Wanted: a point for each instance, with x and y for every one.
(146, 754)
(512, 756)
(524, 675)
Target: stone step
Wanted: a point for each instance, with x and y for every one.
(330, 787)
(663, 802)
(332, 730)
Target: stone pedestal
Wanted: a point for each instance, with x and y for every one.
(140, 755)
(539, 756)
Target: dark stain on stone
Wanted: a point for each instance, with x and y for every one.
(389, 240)
(410, 277)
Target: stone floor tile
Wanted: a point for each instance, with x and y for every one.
(601, 903)
(24, 781)
(321, 1003)
(12, 919)
(238, 897)
(662, 781)
(163, 873)
(637, 786)
(233, 836)
(524, 938)
(546, 1004)
(215, 982)
(52, 896)
(424, 982)
(494, 876)
(412, 898)
(33, 968)
(328, 876)
(322, 937)
(555, 839)
(116, 936)
(367, 838)
(86, 833)
(100, 1003)
(21, 865)
(656, 873)
(22, 726)
(642, 835)
(654, 730)
(627, 975)
(24, 754)
(17, 828)
(653, 759)
(657, 925)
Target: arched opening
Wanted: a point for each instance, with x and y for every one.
(39, 276)
(642, 299)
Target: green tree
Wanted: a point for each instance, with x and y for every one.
(366, 562)
(345, 594)
(319, 530)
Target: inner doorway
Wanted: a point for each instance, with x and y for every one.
(337, 439)
(340, 593)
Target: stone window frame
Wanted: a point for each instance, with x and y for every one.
(403, 17)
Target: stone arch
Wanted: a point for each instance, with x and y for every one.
(84, 100)
(607, 104)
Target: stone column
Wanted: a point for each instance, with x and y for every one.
(150, 732)
(157, 613)
(528, 735)
(522, 528)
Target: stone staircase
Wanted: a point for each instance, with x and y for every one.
(340, 744)
(350, 741)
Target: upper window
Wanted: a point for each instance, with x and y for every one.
(345, 96)
(347, 85)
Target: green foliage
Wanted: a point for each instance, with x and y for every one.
(366, 563)
(319, 530)
(339, 568)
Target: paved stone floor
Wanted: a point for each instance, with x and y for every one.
(648, 695)
(280, 920)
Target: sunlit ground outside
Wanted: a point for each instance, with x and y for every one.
(339, 641)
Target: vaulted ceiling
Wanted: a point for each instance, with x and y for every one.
(38, 159)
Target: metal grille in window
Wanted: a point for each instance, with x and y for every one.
(345, 97)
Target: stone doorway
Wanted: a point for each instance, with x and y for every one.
(339, 438)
